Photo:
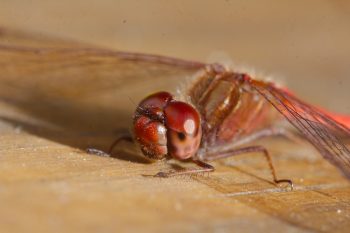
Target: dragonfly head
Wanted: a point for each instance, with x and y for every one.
(163, 126)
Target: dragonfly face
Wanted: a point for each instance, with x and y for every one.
(163, 126)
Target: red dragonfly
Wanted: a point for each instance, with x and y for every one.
(222, 111)
(215, 116)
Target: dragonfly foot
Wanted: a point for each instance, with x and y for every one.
(98, 152)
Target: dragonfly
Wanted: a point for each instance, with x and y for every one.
(212, 117)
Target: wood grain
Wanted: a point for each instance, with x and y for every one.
(55, 103)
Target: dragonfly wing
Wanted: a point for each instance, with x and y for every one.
(47, 76)
(322, 131)
(63, 63)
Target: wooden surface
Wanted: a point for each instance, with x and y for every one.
(52, 109)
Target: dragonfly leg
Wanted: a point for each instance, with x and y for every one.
(263, 133)
(203, 167)
(127, 138)
(276, 131)
(251, 149)
(98, 152)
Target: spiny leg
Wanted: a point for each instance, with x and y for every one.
(251, 149)
(263, 133)
(204, 167)
(127, 138)
(267, 132)
(280, 131)
(98, 152)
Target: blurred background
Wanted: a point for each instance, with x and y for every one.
(304, 44)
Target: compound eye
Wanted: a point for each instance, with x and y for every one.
(151, 135)
(182, 117)
(157, 100)
(184, 131)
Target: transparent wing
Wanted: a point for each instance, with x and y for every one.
(47, 77)
(32, 59)
(323, 132)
